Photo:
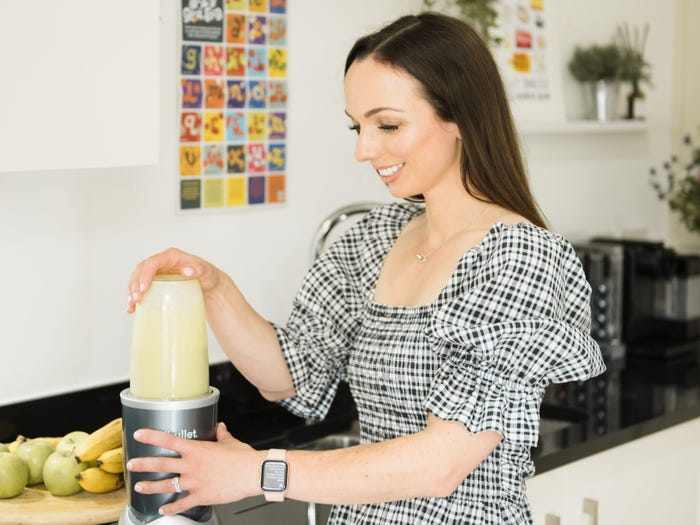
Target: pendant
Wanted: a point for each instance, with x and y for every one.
(421, 258)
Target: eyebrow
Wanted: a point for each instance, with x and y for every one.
(374, 111)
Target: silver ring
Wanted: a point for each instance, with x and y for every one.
(176, 483)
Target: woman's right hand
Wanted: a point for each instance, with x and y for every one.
(172, 261)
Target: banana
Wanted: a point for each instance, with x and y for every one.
(97, 481)
(101, 440)
(16, 443)
(112, 460)
(53, 441)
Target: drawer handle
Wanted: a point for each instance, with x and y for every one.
(590, 512)
(551, 519)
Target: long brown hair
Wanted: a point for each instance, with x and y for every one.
(461, 81)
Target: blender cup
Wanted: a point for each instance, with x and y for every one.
(169, 389)
(169, 357)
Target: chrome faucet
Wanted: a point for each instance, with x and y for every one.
(318, 244)
(335, 219)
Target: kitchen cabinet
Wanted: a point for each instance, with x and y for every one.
(80, 84)
(650, 480)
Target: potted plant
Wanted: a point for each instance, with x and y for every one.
(598, 68)
(481, 14)
(680, 185)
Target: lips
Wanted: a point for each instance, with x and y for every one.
(391, 170)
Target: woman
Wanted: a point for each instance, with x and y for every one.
(447, 319)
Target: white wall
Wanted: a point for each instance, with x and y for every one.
(686, 101)
(598, 182)
(70, 238)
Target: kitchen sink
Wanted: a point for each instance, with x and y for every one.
(560, 426)
(317, 514)
(332, 442)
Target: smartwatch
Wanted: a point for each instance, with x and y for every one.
(273, 480)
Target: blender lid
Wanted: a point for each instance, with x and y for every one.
(130, 400)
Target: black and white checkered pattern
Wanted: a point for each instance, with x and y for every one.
(512, 318)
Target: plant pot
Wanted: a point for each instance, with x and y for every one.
(600, 100)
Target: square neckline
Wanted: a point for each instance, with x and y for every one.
(394, 309)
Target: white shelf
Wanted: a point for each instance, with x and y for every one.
(583, 126)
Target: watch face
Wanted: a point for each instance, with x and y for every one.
(274, 476)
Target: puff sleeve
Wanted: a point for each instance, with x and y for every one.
(322, 325)
(518, 322)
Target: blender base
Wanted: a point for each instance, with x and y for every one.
(127, 518)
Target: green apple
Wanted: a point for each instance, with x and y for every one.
(14, 474)
(34, 454)
(67, 445)
(59, 474)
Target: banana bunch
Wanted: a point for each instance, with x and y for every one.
(53, 441)
(12, 447)
(106, 475)
(103, 448)
(93, 461)
(99, 481)
(100, 441)
(112, 460)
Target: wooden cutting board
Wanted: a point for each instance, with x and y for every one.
(36, 506)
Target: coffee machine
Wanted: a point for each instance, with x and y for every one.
(169, 390)
(660, 298)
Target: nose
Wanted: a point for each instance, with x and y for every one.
(366, 147)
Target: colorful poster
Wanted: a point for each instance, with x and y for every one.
(527, 57)
(233, 104)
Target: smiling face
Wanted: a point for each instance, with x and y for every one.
(412, 150)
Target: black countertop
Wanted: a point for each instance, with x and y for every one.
(645, 392)
(635, 397)
(248, 416)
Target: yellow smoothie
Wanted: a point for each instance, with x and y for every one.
(169, 353)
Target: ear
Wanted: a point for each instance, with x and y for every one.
(452, 129)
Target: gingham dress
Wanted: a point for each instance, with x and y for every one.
(513, 317)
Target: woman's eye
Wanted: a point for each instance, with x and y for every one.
(388, 127)
(355, 128)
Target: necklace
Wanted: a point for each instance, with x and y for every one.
(422, 257)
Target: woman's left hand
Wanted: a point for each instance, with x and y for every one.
(211, 472)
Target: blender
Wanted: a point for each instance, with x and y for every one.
(168, 390)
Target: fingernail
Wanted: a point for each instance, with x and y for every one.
(223, 425)
(142, 287)
(137, 434)
(138, 487)
(187, 272)
(129, 465)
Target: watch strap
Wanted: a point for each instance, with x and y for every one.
(275, 454)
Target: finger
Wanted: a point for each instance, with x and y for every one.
(161, 439)
(154, 464)
(148, 268)
(222, 434)
(163, 486)
(179, 505)
(137, 286)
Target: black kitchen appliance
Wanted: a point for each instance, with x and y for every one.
(660, 296)
(603, 265)
(598, 397)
